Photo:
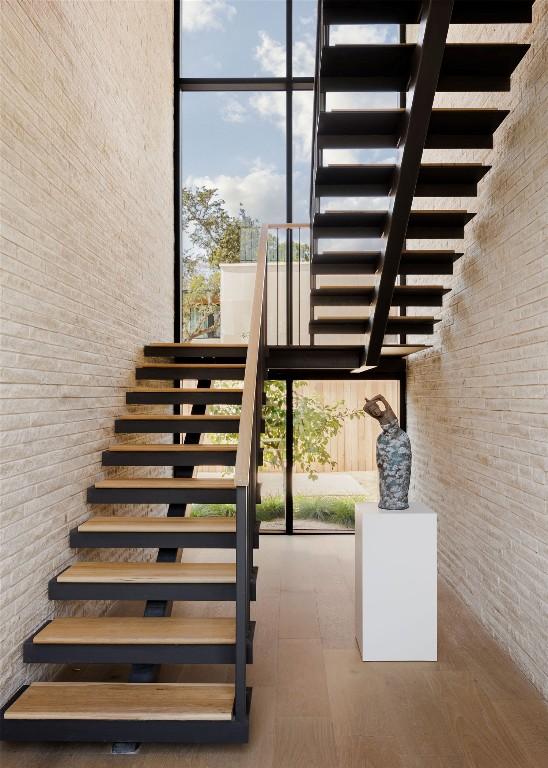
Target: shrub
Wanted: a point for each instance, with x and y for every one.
(338, 510)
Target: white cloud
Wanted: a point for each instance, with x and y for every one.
(361, 34)
(367, 100)
(270, 55)
(304, 58)
(233, 111)
(270, 105)
(354, 204)
(206, 14)
(261, 191)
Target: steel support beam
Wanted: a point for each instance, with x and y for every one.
(425, 70)
(288, 469)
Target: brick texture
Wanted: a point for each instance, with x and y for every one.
(477, 407)
(87, 270)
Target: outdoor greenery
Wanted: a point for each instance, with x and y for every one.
(337, 510)
(211, 237)
(314, 424)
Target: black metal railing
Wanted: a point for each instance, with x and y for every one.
(287, 284)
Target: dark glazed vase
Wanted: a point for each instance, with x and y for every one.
(394, 464)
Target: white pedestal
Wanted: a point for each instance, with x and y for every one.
(396, 583)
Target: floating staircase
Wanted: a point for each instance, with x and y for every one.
(143, 709)
(415, 71)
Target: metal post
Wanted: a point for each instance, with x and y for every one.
(289, 170)
(403, 400)
(403, 104)
(242, 603)
(289, 456)
(176, 172)
(289, 288)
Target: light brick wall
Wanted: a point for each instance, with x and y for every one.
(87, 269)
(477, 407)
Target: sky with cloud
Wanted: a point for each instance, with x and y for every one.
(236, 141)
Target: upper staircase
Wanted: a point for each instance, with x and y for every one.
(415, 71)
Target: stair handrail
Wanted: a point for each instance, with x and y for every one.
(252, 376)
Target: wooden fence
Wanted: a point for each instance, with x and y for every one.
(354, 447)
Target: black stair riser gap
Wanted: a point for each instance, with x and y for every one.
(417, 301)
(131, 731)
(371, 12)
(446, 190)
(410, 328)
(359, 300)
(321, 326)
(481, 12)
(128, 654)
(459, 141)
(343, 269)
(119, 540)
(441, 232)
(168, 459)
(324, 326)
(177, 427)
(426, 268)
(373, 84)
(64, 653)
(160, 496)
(198, 354)
(320, 231)
(168, 398)
(196, 360)
(174, 374)
(352, 190)
(386, 11)
(176, 592)
(473, 84)
(433, 141)
(446, 84)
(357, 141)
(193, 359)
(471, 67)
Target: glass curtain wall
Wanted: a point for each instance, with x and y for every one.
(244, 145)
(246, 97)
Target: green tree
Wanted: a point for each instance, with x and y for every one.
(314, 424)
(214, 239)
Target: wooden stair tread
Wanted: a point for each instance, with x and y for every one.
(127, 524)
(148, 573)
(123, 701)
(171, 448)
(131, 630)
(166, 482)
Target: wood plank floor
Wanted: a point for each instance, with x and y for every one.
(316, 705)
